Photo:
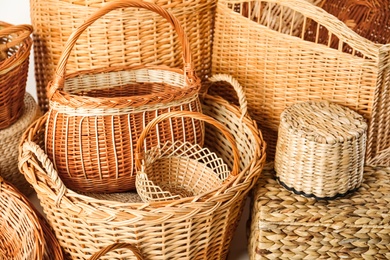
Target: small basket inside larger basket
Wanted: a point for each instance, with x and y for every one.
(181, 169)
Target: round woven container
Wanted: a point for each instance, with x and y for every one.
(320, 149)
(9, 145)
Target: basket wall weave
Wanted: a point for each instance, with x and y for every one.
(15, 46)
(278, 69)
(290, 226)
(183, 229)
(126, 42)
(9, 143)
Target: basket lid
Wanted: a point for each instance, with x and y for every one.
(323, 122)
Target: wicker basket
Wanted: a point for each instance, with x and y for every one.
(9, 143)
(15, 46)
(116, 246)
(126, 42)
(24, 232)
(289, 226)
(96, 116)
(178, 170)
(181, 229)
(320, 149)
(278, 69)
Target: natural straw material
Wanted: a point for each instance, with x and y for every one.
(200, 228)
(320, 149)
(9, 143)
(116, 246)
(24, 232)
(15, 46)
(278, 68)
(178, 170)
(289, 226)
(130, 37)
(96, 116)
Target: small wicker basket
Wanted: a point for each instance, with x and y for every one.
(96, 116)
(15, 46)
(178, 170)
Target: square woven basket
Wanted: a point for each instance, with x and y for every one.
(289, 226)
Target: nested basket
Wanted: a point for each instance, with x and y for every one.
(188, 228)
(96, 116)
(124, 39)
(15, 46)
(278, 67)
(24, 234)
(9, 143)
(181, 169)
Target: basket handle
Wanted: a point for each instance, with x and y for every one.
(59, 76)
(24, 31)
(114, 246)
(139, 155)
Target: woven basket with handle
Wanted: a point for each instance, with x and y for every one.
(188, 228)
(15, 46)
(96, 116)
(278, 67)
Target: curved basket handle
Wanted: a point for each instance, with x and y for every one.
(114, 246)
(194, 115)
(23, 30)
(59, 75)
(236, 86)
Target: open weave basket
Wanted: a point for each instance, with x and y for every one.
(177, 170)
(96, 116)
(15, 46)
(124, 39)
(24, 234)
(188, 228)
(278, 68)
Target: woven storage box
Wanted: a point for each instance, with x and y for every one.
(125, 40)
(289, 226)
(278, 68)
(96, 116)
(9, 143)
(15, 46)
(320, 149)
(180, 169)
(24, 234)
(193, 228)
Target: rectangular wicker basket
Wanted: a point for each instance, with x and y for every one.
(289, 226)
(269, 56)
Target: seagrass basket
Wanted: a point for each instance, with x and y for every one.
(15, 46)
(9, 143)
(188, 228)
(124, 39)
(178, 170)
(277, 67)
(96, 116)
(24, 234)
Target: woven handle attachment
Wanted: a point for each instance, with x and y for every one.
(114, 246)
(59, 77)
(23, 30)
(139, 154)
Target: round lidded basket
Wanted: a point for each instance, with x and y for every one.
(178, 170)
(96, 116)
(15, 46)
(320, 149)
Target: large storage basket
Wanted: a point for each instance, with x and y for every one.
(96, 116)
(126, 42)
(278, 68)
(25, 234)
(15, 46)
(190, 228)
(9, 143)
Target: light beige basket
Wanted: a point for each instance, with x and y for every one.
(176, 170)
(9, 143)
(320, 149)
(124, 42)
(188, 228)
(278, 68)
